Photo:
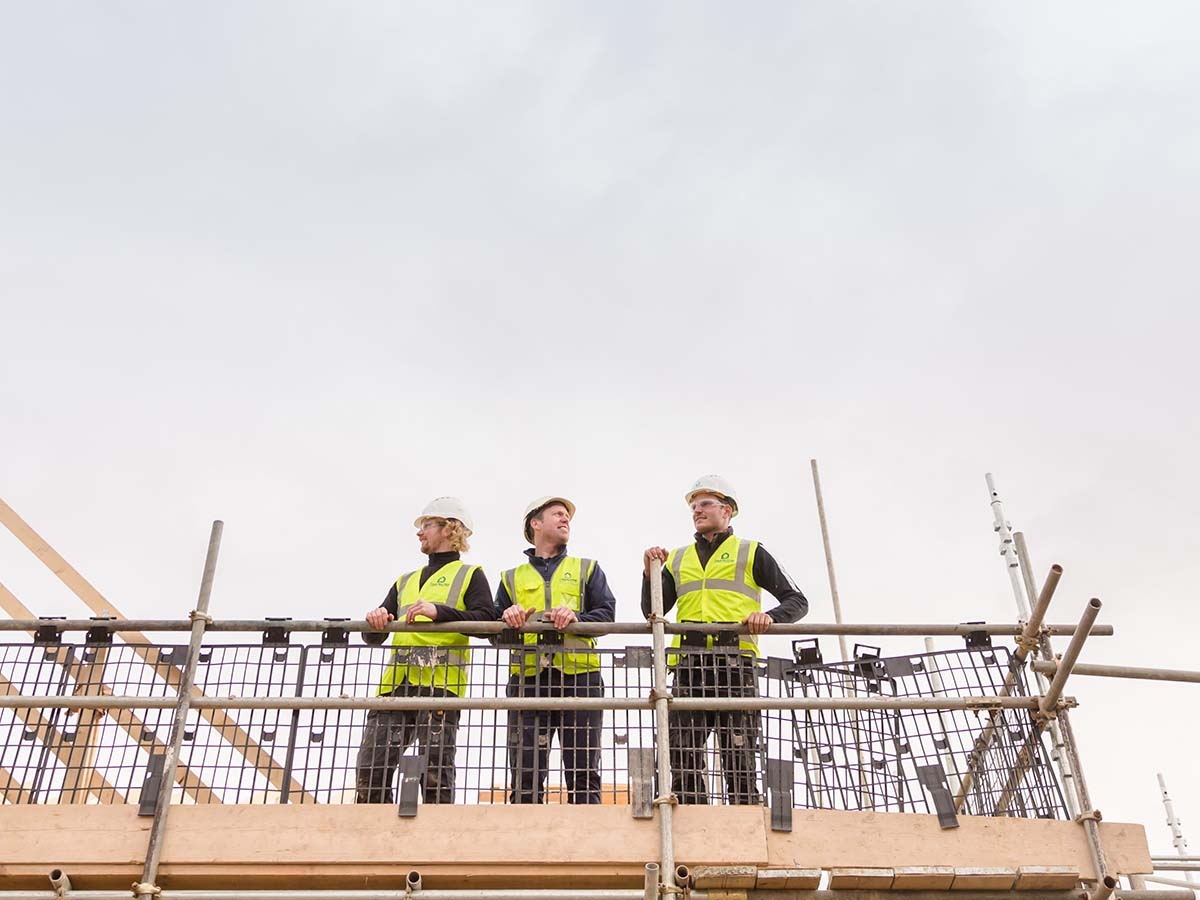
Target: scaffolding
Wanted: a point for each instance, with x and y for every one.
(104, 721)
(271, 713)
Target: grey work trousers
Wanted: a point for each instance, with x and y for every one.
(390, 732)
(711, 673)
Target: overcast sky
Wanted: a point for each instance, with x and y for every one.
(303, 266)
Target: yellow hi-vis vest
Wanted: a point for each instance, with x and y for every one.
(566, 587)
(722, 591)
(430, 659)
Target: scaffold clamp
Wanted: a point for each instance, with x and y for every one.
(1028, 643)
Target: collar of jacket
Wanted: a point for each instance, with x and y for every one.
(713, 541)
(546, 564)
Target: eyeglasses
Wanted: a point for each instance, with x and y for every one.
(707, 504)
(431, 523)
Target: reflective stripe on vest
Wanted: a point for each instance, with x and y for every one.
(566, 587)
(430, 659)
(723, 590)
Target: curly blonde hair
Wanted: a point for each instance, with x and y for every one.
(457, 533)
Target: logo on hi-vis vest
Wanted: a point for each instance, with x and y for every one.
(725, 555)
(441, 579)
(567, 576)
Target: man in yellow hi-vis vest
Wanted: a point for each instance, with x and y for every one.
(719, 578)
(424, 664)
(557, 589)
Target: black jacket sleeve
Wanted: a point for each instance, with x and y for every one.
(771, 577)
(599, 603)
(503, 601)
(669, 597)
(391, 604)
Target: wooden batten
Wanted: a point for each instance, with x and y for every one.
(923, 878)
(984, 878)
(845, 878)
(788, 879)
(1047, 878)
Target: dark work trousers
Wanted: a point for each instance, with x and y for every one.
(389, 732)
(531, 732)
(715, 673)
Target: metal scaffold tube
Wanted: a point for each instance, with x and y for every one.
(1171, 882)
(504, 703)
(1077, 796)
(833, 588)
(1137, 672)
(1025, 643)
(1049, 715)
(650, 889)
(665, 801)
(585, 629)
(1177, 839)
(147, 887)
(1067, 663)
(602, 894)
(1035, 623)
(1004, 530)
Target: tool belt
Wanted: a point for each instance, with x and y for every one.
(540, 655)
(429, 657)
(699, 640)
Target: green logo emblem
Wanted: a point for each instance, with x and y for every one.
(725, 555)
(441, 579)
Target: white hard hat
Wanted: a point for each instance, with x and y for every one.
(537, 506)
(713, 484)
(445, 508)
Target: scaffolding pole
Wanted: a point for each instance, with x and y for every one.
(596, 894)
(1007, 551)
(665, 801)
(148, 887)
(835, 597)
(586, 629)
(833, 587)
(1137, 672)
(1025, 643)
(1069, 758)
(1058, 754)
(127, 701)
(1177, 839)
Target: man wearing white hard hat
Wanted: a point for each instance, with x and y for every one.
(557, 589)
(718, 578)
(424, 664)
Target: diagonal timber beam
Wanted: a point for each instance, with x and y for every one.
(88, 678)
(193, 786)
(224, 724)
(11, 790)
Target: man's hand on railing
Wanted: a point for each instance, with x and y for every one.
(515, 616)
(379, 618)
(562, 616)
(757, 622)
(421, 608)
